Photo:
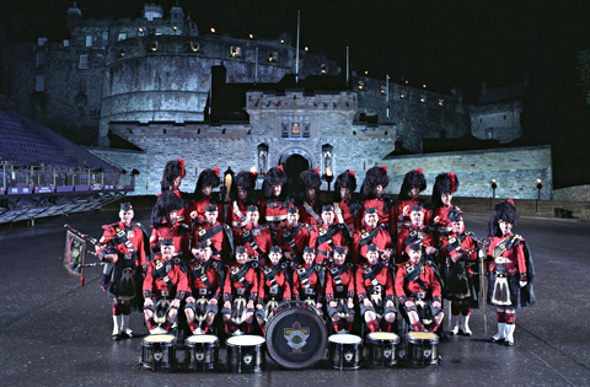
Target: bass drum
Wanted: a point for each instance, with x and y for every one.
(296, 335)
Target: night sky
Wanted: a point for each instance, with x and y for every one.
(441, 43)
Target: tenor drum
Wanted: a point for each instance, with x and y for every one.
(382, 348)
(296, 335)
(245, 353)
(201, 352)
(422, 348)
(159, 352)
(344, 351)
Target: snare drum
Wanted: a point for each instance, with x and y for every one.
(421, 349)
(159, 352)
(201, 352)
(245, 353)
(344, 351)
(382, 348)
(296, 335)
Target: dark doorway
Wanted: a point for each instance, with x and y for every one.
(294, 165)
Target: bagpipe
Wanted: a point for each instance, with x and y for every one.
(75, 252)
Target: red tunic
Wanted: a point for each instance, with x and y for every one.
(236, 214)
(307, 283)
(257, 240)
(361, 240)
(206, 280)
(306, 216)
(406, 290)
(339, 282)
(405, 220)
(129, 243)
(324, 239)
(154, 283)
(278, 281)
(245, 285)
(178, 233)
(385, 211)
(365, 283)
(214, 236)
(200, 206)
(513, 258)
(423, 233)
(293, 242)
(344, 214)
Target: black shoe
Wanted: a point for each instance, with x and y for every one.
(497, 341)
(125, 336)
(508, 343)
(116, 337)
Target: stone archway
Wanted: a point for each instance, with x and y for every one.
(294, 165)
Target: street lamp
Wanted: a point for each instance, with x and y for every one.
(539, 187)
(494, 186)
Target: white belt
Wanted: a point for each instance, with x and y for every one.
(501, 260)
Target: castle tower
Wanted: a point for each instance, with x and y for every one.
(73, 16)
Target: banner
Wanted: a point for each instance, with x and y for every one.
(75, 255)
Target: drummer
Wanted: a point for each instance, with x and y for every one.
(309, 280)
(340, 291)
(206, 277)
(418, 288)
(240, 291)
(273, 287)
(374, 289)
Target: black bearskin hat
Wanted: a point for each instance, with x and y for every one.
(505, 210)
(345, 180)
(310, 178)
(165, 203)
(173, 169)
(245, 180)
(274, 176)
(444, 183)
(375, 176)
(414, 178)
(209, 177)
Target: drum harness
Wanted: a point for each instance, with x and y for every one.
(326, 237)
(248, 237)
(312, 212)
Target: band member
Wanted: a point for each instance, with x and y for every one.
(203, 197)
(409, 196)
(375, 292)
(293, 237)
(256, 238)
(376, 180)
(168, 224)
(417, 228)
(328, 235)
(308, 203)
(345, 209)
(241, 194)
(340, 291)
(240, 292)
(216, 235)
(309, 280)
(122, 248)
(172, 176)
(274, 286)
(461, 283)
(445, 186)
(371, 233)
(273, 209)
(206, 278)
(511, 270)
(164, 288)
(418, 288)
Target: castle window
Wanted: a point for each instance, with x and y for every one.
(383, 90)
(262, 159)
(295, 130)
(122, 36)
(306, 130)
(361, 85)
(105, 36)
(327, 153)
(403, 94)
(235, 51)
(40, 59)
(441, 102)
(284, 130)
(423, 98)
(40, 83)
(324, 69)
(88, 40)
(83, 62)
(273, 57)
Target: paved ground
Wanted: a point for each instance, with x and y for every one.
(54, 333)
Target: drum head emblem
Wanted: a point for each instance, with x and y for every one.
(158, 356)
(296, 336)
(348, 356)
(199, 356)
(427, 353)
(387, 353)
(247, 359)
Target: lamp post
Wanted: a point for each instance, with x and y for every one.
(539, 187)
(328, 176)
(494, 186)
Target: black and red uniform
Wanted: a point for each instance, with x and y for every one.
(273, 211)
(402, 220)
(164, 280)
(340, 287)
(236, 214)
(309, 212)
(217, 236)
(507, 259)
(257, 241)
(460, 251)
(346, 213)
(205, 282)
(200, 207)
(309, 283)
(385, 209)
(375, 282)
(293, 240)
(273, 287)
(325, 238)
(179, 233)
(365, 236)
(241, 281)
(423, 233)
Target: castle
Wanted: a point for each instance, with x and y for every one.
(165, 90)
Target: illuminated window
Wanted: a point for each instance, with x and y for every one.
(361, 85)
(383, 90)
(423, 98)
(403, 94)
(273, 57)
(324, 69)
(441, 102)
(235, 51)
(122, 36)
(88, 40)
(153, 46)
(193, 46)
(327, 153)
(295, 129)
(262, 158)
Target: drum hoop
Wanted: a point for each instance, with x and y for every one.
(422, 337)
(345, 338)
(164, 339)
(382, 338)
(202, 339)
(245, 341)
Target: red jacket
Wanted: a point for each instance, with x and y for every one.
(129, 242)
(406, 289)
(164, 276)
